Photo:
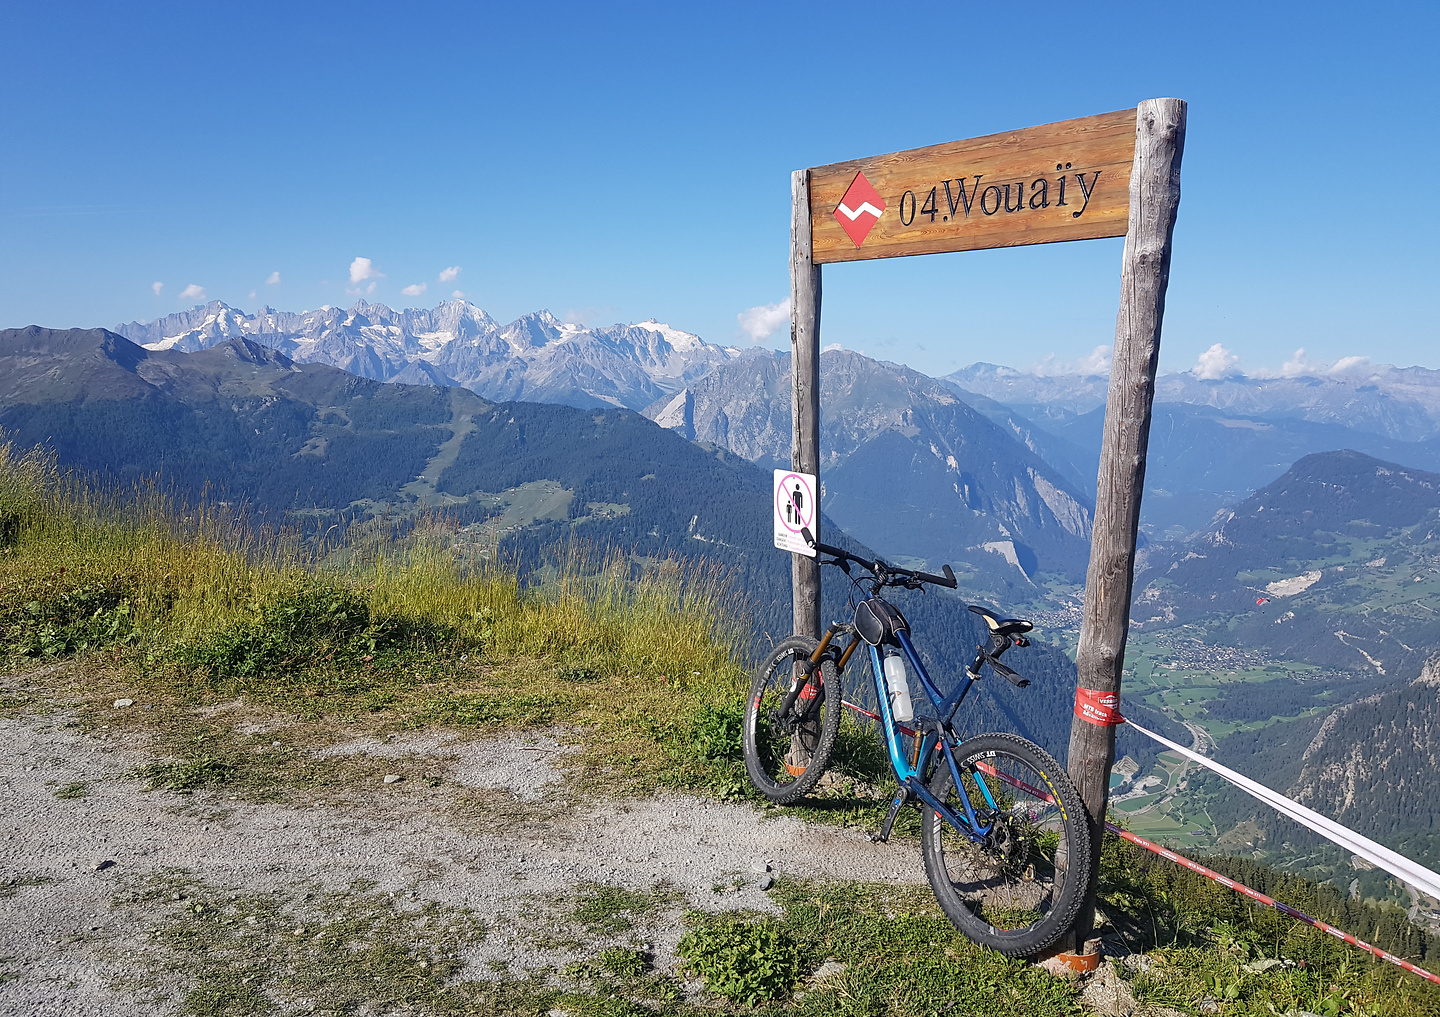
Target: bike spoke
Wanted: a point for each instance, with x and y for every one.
(1010, 881)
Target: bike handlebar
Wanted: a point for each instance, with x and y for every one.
(878, 568)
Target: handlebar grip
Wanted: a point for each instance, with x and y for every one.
(1013, 677)
(824, 548)
(948, 580)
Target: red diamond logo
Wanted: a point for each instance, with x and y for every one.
(860, 209)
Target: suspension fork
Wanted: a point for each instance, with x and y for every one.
(800, 686)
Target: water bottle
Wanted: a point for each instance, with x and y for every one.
(897, 682)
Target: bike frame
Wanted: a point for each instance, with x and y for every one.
(938, 734)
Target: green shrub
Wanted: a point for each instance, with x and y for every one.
(747, 962)
(57, 621)
(302, 628)
(716, 730)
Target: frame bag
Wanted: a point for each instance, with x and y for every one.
(877, 621)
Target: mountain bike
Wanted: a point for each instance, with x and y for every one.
(1003, 835)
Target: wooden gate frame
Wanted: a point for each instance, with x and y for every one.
(1154, 198)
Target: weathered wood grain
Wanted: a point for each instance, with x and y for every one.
(1103, 144)
(1145, 274)
(805, 390)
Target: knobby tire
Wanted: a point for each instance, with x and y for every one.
(1019, 893)
(767, 737)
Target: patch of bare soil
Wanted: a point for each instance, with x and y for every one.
(479, 862)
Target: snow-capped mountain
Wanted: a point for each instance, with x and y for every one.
(536, 358)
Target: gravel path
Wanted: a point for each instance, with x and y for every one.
(72, 937)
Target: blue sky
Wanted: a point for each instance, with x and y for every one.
(626, 161)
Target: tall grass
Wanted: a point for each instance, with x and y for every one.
(196, 603)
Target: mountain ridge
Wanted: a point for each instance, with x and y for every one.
(535, 358)
(974, 492)
(1395, 402)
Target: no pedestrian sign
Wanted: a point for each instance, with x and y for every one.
(795, 504)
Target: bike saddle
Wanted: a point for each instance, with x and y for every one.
(1002, 626)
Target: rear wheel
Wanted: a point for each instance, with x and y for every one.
(1019, 890)
(786, 751)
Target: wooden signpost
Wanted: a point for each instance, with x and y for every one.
(1115, 174)
(1065, 181)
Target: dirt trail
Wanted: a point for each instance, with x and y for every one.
(70, 942)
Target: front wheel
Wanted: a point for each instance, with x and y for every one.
(786, 751)
(1019, 890)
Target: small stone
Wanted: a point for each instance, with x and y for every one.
(300, 931)
(108, 863)
(766, 881)
(392, 778)
(829, 968)
(759, 866)
(120, 704)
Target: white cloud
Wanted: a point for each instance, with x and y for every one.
(1095, 364)
(1345, 365)
(362, 269)
(254, 295)
(273, 279)
(157, 287)
(763, 321)
(450, 274)
(458, 294)
(1301, 366)
(370, 290)
(193, 292)
(415, 289)
(1215, 363)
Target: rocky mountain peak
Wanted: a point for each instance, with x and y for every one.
(535, 357)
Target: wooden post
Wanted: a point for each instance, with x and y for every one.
(804, 391)
(1154, 200)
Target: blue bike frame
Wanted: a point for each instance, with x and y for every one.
(912, 778)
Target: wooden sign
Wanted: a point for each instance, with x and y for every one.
(1062, 181)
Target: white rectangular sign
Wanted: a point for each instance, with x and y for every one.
(795, 509)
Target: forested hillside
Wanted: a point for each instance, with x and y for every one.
(238, 419)
(248, 424)
(1333, 564)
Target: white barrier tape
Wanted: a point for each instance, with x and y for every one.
(1397, 865)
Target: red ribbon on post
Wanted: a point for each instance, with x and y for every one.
(1099, 708)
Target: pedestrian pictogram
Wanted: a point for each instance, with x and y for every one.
(860, 209)
(795, 505)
